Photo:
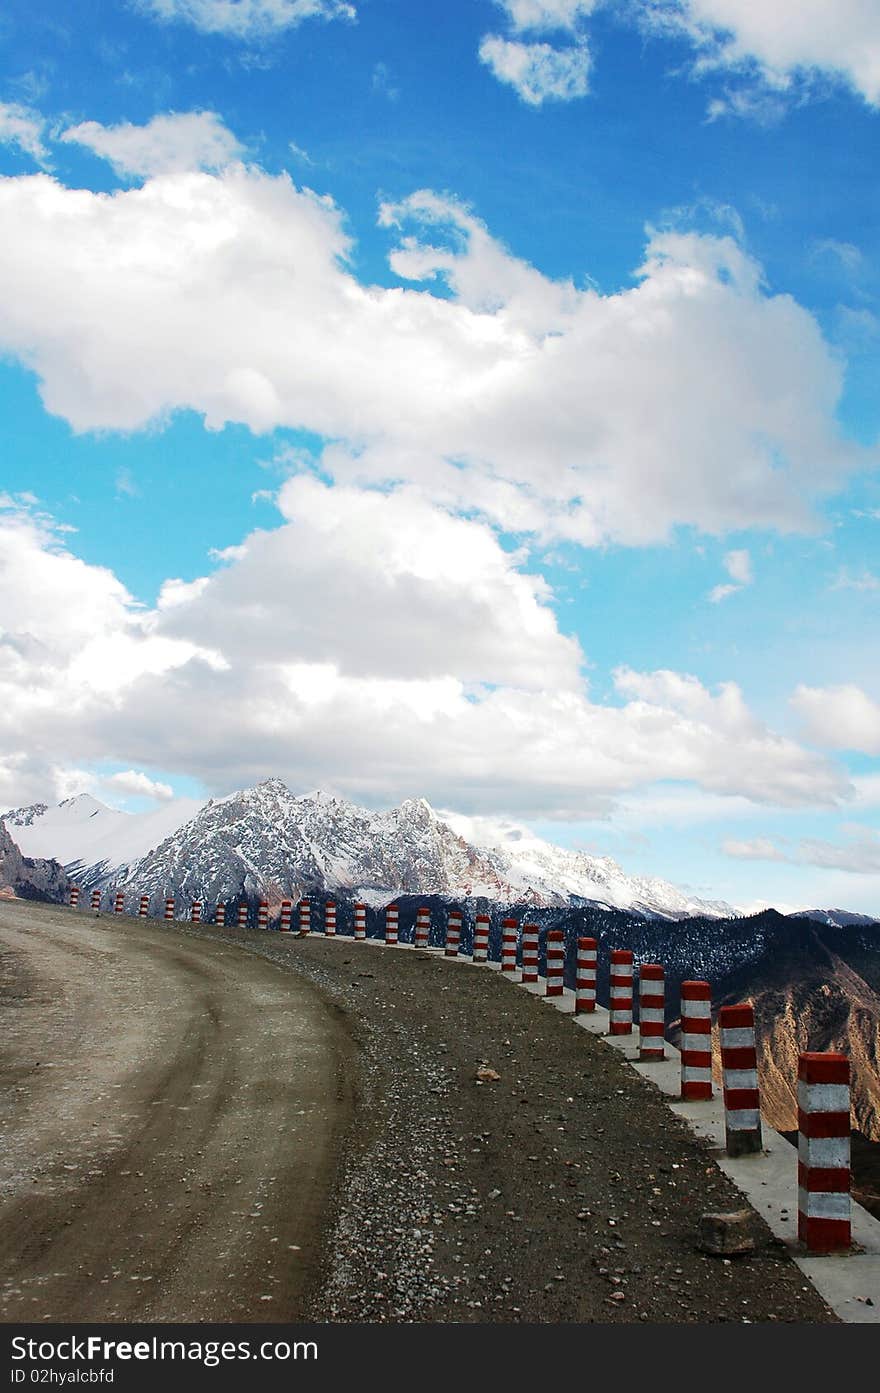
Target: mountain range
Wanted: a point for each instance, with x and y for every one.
(267, 841)
(814, 978)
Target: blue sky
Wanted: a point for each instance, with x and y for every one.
(476, 404)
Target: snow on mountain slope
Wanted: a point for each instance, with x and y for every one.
(553, 872)
(268, 841)
(91, 839)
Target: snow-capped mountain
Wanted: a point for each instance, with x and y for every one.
(268, 841)
(93, 842)
(835, 918)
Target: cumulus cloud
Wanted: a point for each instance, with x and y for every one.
(738, 565)
(692, 397)
(380, 586)
(190, 140)
(782, 41)
(138, 784)
(21, 126)
(769, 52)
(840, 718)
(490, 716)
(538, 72)
(246, 19)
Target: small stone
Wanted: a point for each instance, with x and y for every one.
(723, 1235)
(486, 1075)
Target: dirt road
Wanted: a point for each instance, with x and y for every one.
(170, 1119)
(173, 1112)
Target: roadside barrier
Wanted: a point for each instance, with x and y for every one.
(621, 994)
(739, 1077)
(391, 926)
(453, 933)
(263, 914)
(74, 897)
(196, 913)
(696, 1041)
(144, 907)
(330, 919)
(423, 927)
(119, 902)
(585, 978)
(508, 945)
(652, 1011)
(243, 915)
(96, 899)
(169, 907)
(824, 1204)
(286, 916)
(530, 952)
(555, 963)
(360, 921)
(481, 938)
(305, 916)
(220, 916)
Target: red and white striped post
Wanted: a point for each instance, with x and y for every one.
(305, 916)
(696, 1041)
(824, 1206)
(555, 963)
(508, 944)
(119, 902)
(74, 897)
(196, 911)
(144, 906)
(529, 953)
(330, 919)
(243, 915)
(739, 1074)
(423, 927)
(585, 980)
(220, 915)
(286, 916)
(96, 899)
(360, 921)
(263, 914)
(391, 925)
(453, 933)
(620, 1000)
(481, 938)
(169, 907)
(652, 1011)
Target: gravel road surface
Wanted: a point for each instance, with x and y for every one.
(189, 1129)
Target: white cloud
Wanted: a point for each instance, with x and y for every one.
(863, 580)
(546, 14)
(488, 716)
(246, 19)
(783, 40)
(738, 565)
(840, 718)
(166, 144)
(379, 585)
(860, 855)
(693, 397)
(538, 72)
(139, 785)
(753, 849)
(21, 126)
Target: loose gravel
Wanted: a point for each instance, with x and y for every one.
(564, 1190)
